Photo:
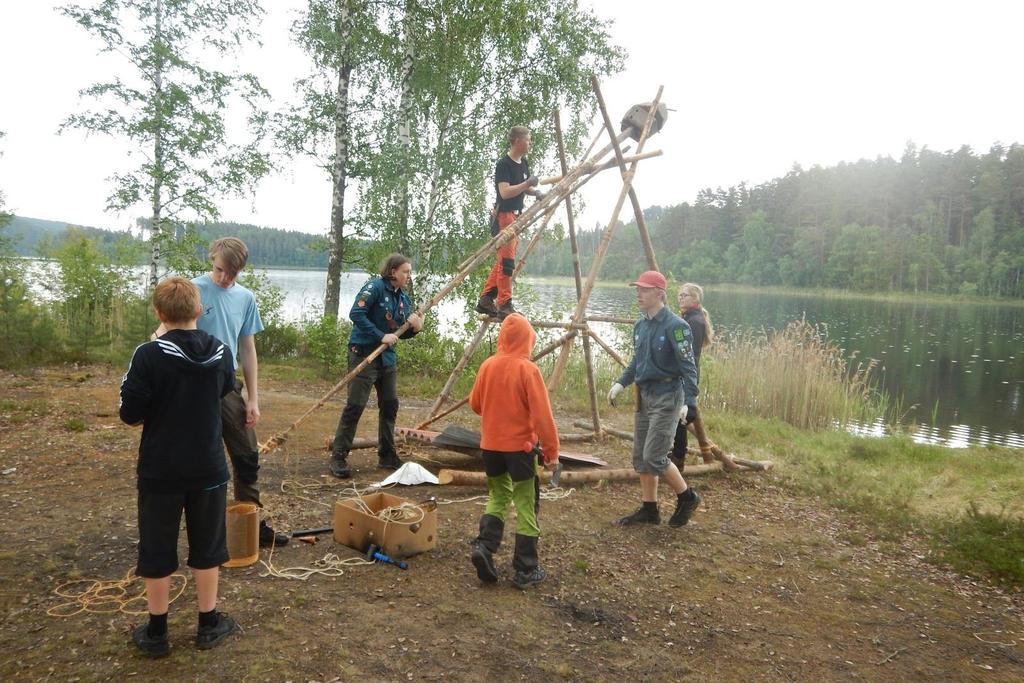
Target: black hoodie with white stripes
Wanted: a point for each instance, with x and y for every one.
(173, 387)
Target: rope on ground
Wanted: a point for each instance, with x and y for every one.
(328, 565)
(106, 597)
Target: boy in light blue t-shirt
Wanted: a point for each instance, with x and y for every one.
(230, 314)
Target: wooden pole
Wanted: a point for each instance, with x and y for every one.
(551, 199)
(608, 349)
(606, 429)
(611, 163)
(460, 366)
(563, 357)
(627, 182)
(569, 478)
(610, 319)
(537, 356)
(534, 241)
(641, 223)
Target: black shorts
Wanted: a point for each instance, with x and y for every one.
(520, 465)
(160, 521)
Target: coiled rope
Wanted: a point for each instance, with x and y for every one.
(106, 597)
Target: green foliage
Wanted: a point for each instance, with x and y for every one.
(985, 542)
(412, 100)
(325, 341)
(26, 329)
(167, 103)
(98, 309)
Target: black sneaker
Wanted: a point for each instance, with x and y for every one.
(152, 646)
(485, 305)
(269, 537)
(641, 516)
(524, 580)
(684, 509)
(484, 563)
(339, 466)
(389, 462)
(211, 636)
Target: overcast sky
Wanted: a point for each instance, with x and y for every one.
(756, 87)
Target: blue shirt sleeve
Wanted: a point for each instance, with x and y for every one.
(409, 333)
(683, 338)
(251, 322)
(366, 301)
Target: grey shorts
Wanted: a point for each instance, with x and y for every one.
(654, 427)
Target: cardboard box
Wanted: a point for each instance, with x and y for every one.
(357, 529)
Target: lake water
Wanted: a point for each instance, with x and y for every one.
(958, 369)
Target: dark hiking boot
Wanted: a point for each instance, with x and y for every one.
(644, 515)
(339, 466)
(524, 580)
(484, 563)
(506, 309)
(485, 305)
(389, 462)
(269, 537)
(153, 646)
(687, 503)
(211, 636)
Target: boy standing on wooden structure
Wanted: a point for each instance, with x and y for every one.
(666, 379)
(510, 396)
(174, 387)
(512, 182)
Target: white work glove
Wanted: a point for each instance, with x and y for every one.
(613, 392)
(682, 413)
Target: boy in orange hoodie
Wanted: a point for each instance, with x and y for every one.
(510, 397)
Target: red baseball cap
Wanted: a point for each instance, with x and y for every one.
(651, 278)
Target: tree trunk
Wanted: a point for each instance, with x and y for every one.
(156, 227)
(405, 136)
(336, 240)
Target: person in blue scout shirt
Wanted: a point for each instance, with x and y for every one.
(380, 308)
(666, 379)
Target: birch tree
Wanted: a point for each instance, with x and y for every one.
(170, 102)
(416, 96)
(333, 118)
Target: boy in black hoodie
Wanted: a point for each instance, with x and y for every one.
(173, 387)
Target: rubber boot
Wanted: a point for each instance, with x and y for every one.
(526, 563)
(484, 547)
(485, 305)
(339, 465)
(506, 309)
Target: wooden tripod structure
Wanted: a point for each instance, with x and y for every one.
(563, 187)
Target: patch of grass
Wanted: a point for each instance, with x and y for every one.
(896, 485)
(984, 542)
(34, 406)
(796, 375)
(75, 424)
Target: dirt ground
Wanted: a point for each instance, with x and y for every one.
(762, 584)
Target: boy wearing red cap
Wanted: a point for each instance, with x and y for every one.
(666, 379)
(510, 397)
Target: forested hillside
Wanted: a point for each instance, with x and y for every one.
(930, 221)
(269, 247)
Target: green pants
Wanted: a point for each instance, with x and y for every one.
(512, 477)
